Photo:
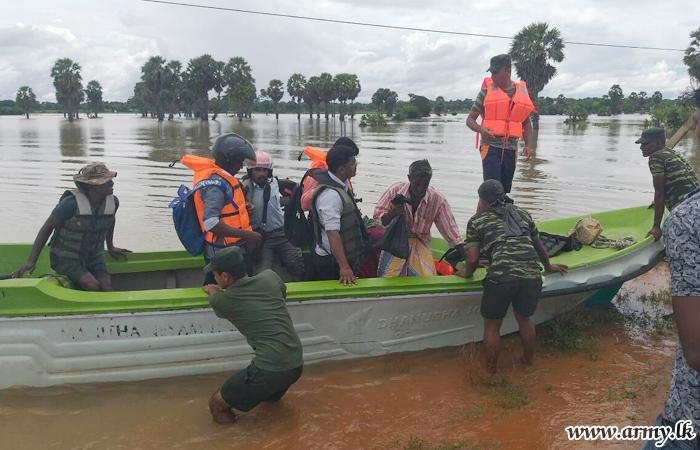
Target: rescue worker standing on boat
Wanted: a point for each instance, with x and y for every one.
(81, 223)
(505, 107)
(224, 217)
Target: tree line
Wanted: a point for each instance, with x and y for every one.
(167, 87)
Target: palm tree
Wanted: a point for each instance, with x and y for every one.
(345, 85)
(68, 83)
(201, 79)
(326, 90)
(313, 96)
(26, 99)
(295, 87)
(139, 101)
(93, 92)
(532, 50)
(172, 88)
(219, 85)
(692, 56)
(152, 75)
(275, 92)
(241, 85)
(356, 88)
(390, 99)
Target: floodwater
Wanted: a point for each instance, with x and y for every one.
(574, 170)
(400, 401)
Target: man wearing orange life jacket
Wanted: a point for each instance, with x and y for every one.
(505, 107)
(225, 222)
(318, 161)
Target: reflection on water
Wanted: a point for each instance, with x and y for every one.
(574, 170)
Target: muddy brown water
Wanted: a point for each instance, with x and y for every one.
(392, 402)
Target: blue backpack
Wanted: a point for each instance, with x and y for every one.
(185, 215)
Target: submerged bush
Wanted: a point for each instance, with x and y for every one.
(372, 119)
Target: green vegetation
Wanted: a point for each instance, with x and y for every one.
(692, 56)
(577, 113)
(93, 92)
(670, 117)
(69, 86)
(372, 120)
(26, 99)
(274, 92)
(532, 50)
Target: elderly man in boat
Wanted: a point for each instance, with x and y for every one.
(81, 223)
(673, 177)
(256, 307)
(511, 241)
(426, 206)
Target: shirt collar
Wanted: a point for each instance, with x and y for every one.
(337, 180)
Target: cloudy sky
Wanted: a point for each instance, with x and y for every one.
(111, 39)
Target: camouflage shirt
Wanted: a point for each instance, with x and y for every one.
(512, 258)
(680, 178)
(479, 106)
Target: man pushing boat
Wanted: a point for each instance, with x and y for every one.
(256, 307)
(81, 223)
(512, 243)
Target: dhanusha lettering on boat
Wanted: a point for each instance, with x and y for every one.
(412, 319)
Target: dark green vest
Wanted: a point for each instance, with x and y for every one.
(353, 233)
(83, 235)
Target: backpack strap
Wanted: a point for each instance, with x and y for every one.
(208, 183)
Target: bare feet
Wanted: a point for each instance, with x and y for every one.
(221, 411)
(224, 417)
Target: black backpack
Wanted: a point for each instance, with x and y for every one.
(297, 228)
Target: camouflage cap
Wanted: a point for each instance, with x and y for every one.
(491, 190)
(651, 134)
(94, 173)
(498, 62)
(224, 259)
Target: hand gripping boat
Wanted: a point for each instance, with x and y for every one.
(159, 324)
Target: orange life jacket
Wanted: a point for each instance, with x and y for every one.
(505, 115)
(235, 216)
(318, 161)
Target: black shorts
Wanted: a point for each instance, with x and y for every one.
(497, 296)
(251, 386)
(499, 164)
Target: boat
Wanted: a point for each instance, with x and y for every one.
(157, 323)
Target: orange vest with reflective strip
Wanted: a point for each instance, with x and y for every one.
(318, 161)
(505, 115)
(235, 216)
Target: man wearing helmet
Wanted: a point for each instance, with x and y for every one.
(267, 218)
(223, 216)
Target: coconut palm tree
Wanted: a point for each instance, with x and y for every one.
(692, 56)
(153, 76)
(26, 99)
(69, 85)
(93, 92)
(296, 86)
(533, 50)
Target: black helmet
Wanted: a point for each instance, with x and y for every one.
(231, 147)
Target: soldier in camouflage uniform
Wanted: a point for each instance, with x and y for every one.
(512, 243)
(673, 177)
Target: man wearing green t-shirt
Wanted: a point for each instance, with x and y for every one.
(511, 241)
(673, 177)
(499, 151)
(256, 307)
(81, 223)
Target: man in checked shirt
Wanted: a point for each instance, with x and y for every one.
(427, 206)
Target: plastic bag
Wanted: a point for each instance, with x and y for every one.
(395, 239)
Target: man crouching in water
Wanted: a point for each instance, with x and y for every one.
(256, 307)
(512, 243)
(81, 222)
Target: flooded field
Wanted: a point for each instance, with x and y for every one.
(611, 366)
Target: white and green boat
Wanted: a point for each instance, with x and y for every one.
(158, 322)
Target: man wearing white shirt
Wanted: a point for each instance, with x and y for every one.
(341, 238)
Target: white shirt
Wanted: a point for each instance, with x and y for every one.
(329, 207)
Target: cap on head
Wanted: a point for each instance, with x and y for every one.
(262, 160)
(229, 148)
(491, 190)
(498, 62)
(95, 174)
(225, 259)
(652, 134)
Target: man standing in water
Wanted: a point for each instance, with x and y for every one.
(512, 243)
(81, 223)
(673, 177)
(256, 307)
(505, 107)
(682, 239)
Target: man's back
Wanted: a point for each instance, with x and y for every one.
(510, 258)
(256, 307)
